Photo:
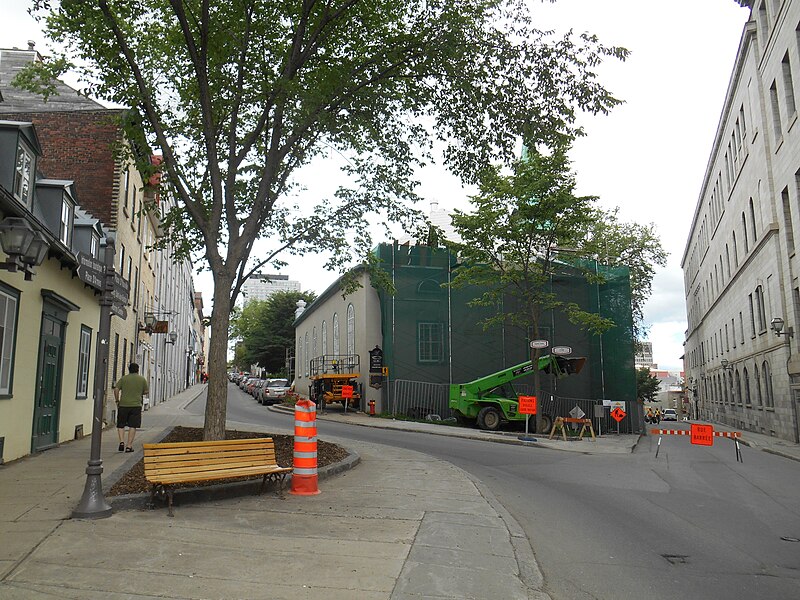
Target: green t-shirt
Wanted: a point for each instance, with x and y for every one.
(131, 389)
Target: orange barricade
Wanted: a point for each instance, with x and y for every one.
(304, 476)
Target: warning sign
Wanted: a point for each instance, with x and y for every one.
(527, 405)
(618, 414)
(702, 435)
(347, 391)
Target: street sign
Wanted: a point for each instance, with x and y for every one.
(90, 270)
(618, 414)
(576, 412)
(121, 290)
(119, 310)
(562, 350)
(539, 343)
(702, 435)
(347, 391)
(527, 405)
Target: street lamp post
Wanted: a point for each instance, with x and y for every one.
(93, 505)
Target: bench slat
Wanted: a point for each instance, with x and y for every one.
(260, 454)
(182, 467)
(217, 474)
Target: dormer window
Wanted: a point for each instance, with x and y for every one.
(65, 227)
(23, 174)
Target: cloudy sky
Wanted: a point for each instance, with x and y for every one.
(648, 157)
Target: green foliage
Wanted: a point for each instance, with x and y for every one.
(265, 328)
(646, 385)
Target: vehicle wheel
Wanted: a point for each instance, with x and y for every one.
(546, 425)
(489, 418)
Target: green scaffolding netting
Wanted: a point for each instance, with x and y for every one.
(431, 334)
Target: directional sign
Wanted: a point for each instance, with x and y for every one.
(562, 350)
(539, 343)
(527, 405)
(702, 435)
(618, 414)
(121, 290)
(119, 310)
(347, 391)
(90, 270)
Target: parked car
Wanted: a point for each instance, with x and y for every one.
(669, 414)
(255, 391)
(274, 391)
(245, 382)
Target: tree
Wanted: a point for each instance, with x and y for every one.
(646, 385)
(511, 243)
(239, 95)
(266, 328)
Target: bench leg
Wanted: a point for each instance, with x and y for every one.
(263, 484)
(169, 503)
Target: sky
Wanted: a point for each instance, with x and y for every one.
(648, 157)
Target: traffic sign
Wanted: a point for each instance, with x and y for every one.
(618, 414)
(347, 391)
(702, 435)
(90, 270)
(577, 412)
(539, 343)
(527, 405)
(562, 350)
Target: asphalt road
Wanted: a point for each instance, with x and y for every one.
(692, 523)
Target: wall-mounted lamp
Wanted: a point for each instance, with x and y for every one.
(725, 365)
(777, 327)
(25, 247)
(172, 337)
(149, 322)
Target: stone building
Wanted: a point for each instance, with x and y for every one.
(740, 263)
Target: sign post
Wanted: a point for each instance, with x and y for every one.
(527, 406)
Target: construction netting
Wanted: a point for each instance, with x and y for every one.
(431, 334)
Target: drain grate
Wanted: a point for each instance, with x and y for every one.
(676, 559)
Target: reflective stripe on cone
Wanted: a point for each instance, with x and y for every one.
(304, 473)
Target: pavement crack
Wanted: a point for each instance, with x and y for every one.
(18, 563)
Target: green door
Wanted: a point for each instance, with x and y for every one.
(48, 389)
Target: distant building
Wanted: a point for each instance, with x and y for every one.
(261, 286)
(644, 357)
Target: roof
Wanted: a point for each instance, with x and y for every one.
(12, 61)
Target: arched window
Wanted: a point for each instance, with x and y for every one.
(744, 232)
(735, 252)
(747, 399)
(758, 386)
(728, 260)
(314, 343)
(307, 355)
(298, 367)
(738, 396)
(335, 334)
(769, 401)
(351, 330)
(753, 221)
(324, 337)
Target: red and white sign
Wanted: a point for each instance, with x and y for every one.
(347, 391)
(618, 414)
(527, 405)
(702, 435)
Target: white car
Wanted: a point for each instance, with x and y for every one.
(669, 414)
(274, 391)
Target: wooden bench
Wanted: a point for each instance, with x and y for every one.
(169, 464)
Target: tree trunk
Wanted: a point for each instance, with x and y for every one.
(216, 363)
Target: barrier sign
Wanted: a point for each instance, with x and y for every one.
(618, 414)
(702, 434)
(347, 391)
(527, 405)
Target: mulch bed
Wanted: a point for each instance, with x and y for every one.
(133, 482)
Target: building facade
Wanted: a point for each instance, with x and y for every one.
(740, 263)
(261, 286)
(644, 357)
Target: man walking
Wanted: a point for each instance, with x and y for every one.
(129, 393)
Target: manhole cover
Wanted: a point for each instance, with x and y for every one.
(676, 559)
(786, 538)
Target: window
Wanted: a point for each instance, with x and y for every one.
(761, 315)
(786, 67)
(314, 342)
(335, 334)
(307, 355)
(126, 189)
(9, 302)
(430, 342)
(769, 401)
(738, 394)
(84, 351)
(351, 329)
(746, 387)
(23, 171)
(735, 252)
(753, 222)
(299, 366)
(121, 258)
(65, 226)
(787, 220)
(94, 245)
(776, 113)
(324, 337)
(758, 386)
(752, 316)
(744, 234)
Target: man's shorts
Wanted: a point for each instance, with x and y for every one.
(130, 416)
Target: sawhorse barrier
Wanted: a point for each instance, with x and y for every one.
(561, 421)
(702, 435)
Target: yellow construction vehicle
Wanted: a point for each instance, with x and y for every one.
(334, 378)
